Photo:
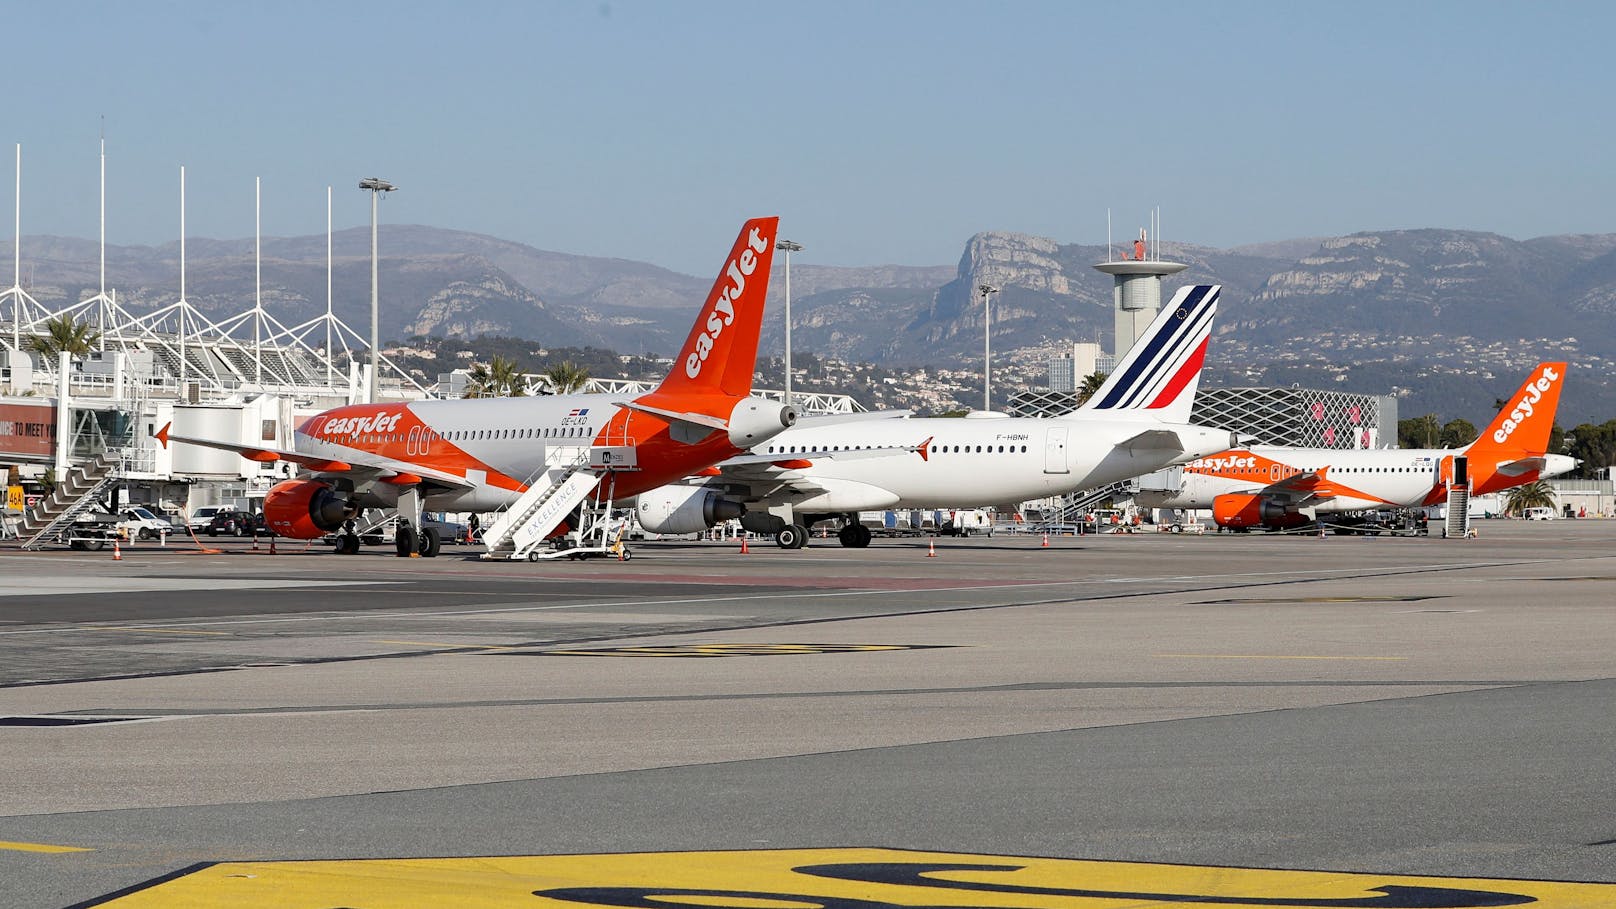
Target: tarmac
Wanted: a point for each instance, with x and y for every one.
(1142, 720)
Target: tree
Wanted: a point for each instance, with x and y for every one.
(1458, 433)
(499, 379)
(1595, 445)
(1091, 386)
(567, 377)
(1537, 494)
(64, 333)
(1419, 432)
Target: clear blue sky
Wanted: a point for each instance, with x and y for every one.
(882, 132)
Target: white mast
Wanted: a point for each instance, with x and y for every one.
(183, 303)
(330, 355)
(258, 280)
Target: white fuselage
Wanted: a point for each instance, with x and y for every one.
(971, 461)
(1396, 478)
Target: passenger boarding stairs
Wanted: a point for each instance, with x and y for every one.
(553, 492)
(1075, 505)
(1457, 523)
(77, 494)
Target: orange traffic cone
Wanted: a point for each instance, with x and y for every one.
(744, 550)
(931, 549)
(1046, 541)
(117, 554)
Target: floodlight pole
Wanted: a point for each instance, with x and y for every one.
(987, 291)
(789, 247)
(376, 186)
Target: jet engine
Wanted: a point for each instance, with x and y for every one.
(1242, 510)
(755, 420)
(684, 509)
(306, 509)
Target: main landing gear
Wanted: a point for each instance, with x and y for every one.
(792, 536)
(854, 536)
(426, 544)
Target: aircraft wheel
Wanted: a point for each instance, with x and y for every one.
(861, 536)
(404, 541)
(848, 536)
(430, 544)
(791, 536)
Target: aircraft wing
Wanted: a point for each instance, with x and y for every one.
(1309, 486)
(771, 474)
(357, 462)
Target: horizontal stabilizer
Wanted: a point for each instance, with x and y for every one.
(1522, 466)
(705, 421)
(1155, 440)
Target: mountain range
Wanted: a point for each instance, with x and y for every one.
(1464, 310)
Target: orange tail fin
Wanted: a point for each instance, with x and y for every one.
(1523, 426)
(721, 352)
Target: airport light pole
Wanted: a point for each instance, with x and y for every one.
(376, 186)
(789, 247)
(987, 291)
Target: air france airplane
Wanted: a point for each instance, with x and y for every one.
(833, 467)
(1277, 487)
(481, 455)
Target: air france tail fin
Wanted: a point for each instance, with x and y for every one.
(1522, 427)
(721, 352)
(1160, 373)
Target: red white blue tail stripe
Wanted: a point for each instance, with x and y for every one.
(1163, 368)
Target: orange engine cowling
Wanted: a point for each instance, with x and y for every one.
(306, 509)
(1244, 510)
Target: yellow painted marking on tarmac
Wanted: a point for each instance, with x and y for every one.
(40, 847)
(442, 644)
(1271, 656)
(807, 878)
(157, 630)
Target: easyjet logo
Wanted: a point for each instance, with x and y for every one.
(1232, 463)
(354, 426)
(723, 312)
(1527, 405)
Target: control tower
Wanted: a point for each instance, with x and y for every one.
(1137, 293)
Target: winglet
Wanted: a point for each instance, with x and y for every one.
(1160, 373)
(721, 352)
(161, 435)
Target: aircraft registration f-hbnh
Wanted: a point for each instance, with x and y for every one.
(547, 452)
(1279, 487)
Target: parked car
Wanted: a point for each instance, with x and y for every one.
(142, 523)
(1540, 513)
(229, 523)
(202, 518)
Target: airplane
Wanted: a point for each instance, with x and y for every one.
(485, 454)
(834, 467)
(1279, 487)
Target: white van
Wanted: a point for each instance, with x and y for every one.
(1539, 513)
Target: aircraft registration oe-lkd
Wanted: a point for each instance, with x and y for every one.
(1279, 487)
(539, 457)
(829, 468)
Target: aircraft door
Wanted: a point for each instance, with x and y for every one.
(1055, 450)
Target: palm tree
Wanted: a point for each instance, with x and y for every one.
(498, 379)
(1091, 385)
(567, 377)
(1537, 494)
(64, 334)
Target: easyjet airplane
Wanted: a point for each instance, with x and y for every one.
(480, 455)
(833, 467)
(1273, 486)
